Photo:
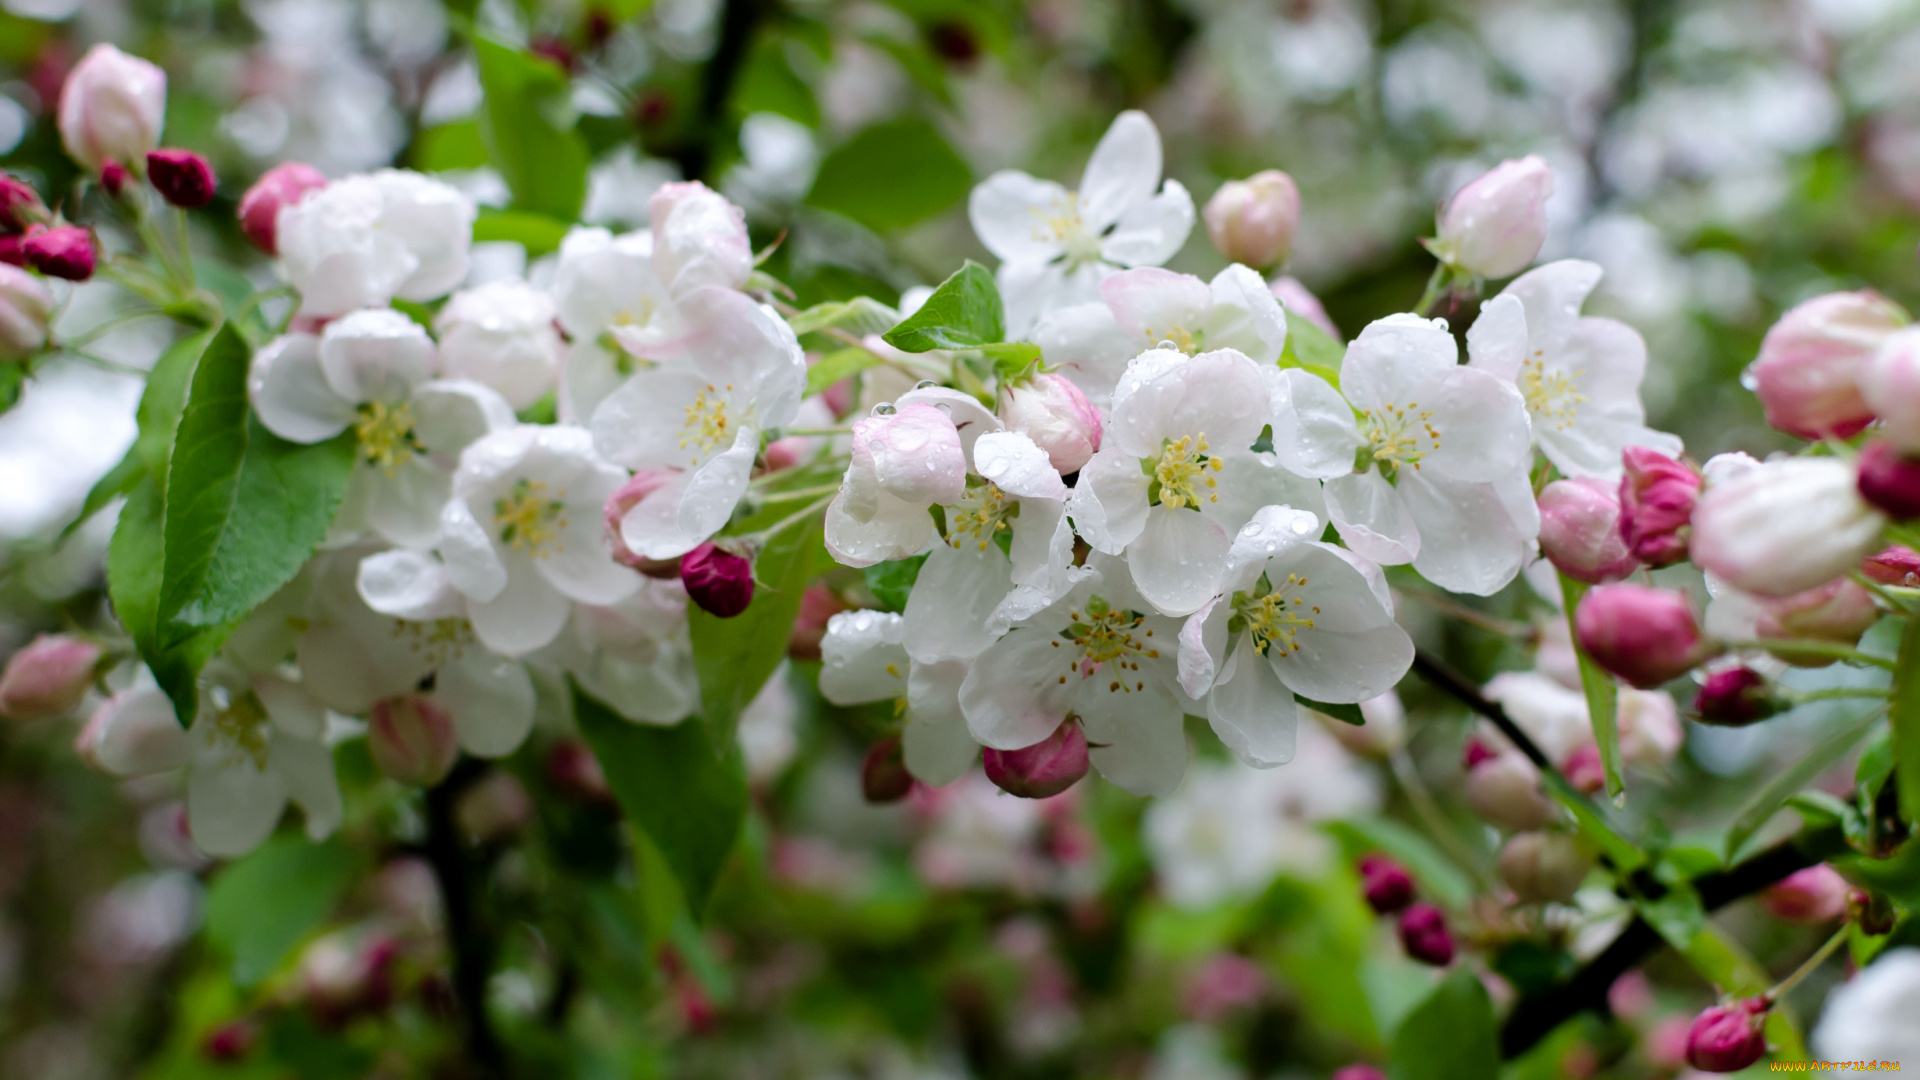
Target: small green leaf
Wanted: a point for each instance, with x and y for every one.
(13, 380)
(1310, 348)
(963, 313)
(768, 84)
(527, 126)
(1904, 711)
(458, 145)
(838, 365)
(1800, 772)
(1603, 697)
(1011, 359)
(891, 583)
(1345, 713)
(538, 233)
(1448, 1036)
(734, 657)
(892, 175)
(860, 315)
(689, 801)
(260, 907)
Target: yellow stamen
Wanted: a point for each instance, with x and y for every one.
(528, 519)
(386, 434)
(1185, 472)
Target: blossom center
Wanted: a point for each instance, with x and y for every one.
(528, 517)
(980, 513)
(440, 639)
(1184, 472)
(1552, 396)
(707, 424)
(1187, 341)
(1398, 435)
(1102, 635)
(241, 722)
(386, 435)
(1060, 223)
(1273, 618)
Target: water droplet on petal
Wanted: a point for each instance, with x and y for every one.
(924, 383)
(885, 408)
(1168, 345)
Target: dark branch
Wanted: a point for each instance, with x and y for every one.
(471, 948)
(1440, 674)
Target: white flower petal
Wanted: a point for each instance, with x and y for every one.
(1009, 210)
(451, 414)
(1151, 304)
(862, 658)
(490, 701)
(1136, 740)
(1552, 296)
(407, 584)
(642, 424)
(1372, 519)
(897, 530)
(376, 354)
(1123, 171)
(1482, 424)
(1017, 466)
(1178, 559)
(233, 803)
(527, 614)
(716, 487)
(948, 613)
(471, 561)
(1313, 429)
(1152, 232)
(290, 391)
(1013, 697)
(1203, 644)
(1246, 316)
(1393, 356)
(936, 743)
(1252, 712)
(1469, 542)
(1109, 504)
(1497, 340)
(1085, 343)
(306, 768)
(404, 504)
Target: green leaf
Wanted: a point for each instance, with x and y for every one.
(1448, 1036)
(688, 801)
(1011, 359)
(244, 507)
(526, 124)
(164, 398)
(120, 480)
(538, 233)
(734, 657)
(891, 176)
(860, 315)
(837, 365)
(1345, 713)
(1310, 348)
(458, 145)
(13, 380)
(1800, 772)
(1904, 711)
(963, 313)
(892, 582)
(260, 907)
(1603, 697)
(767, 83)
(134, 564)
(1677, 915)
(1433, 869)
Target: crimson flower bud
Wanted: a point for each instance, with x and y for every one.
(1505, 790)
(619, 504)
(1894, 566)
(64, 252)
(1252, 221)
(1044, 769)
(1386, 884)
(1812, 896)
(12, 250)
(1358, 1072)
(114, 177)
(1889, 481)
(1728, 1038)
(20, 205)
(1494, 226)
(1735, 697)
(717, 579)
(1807, 373)
(412, 739)
(573, 769)
(1580, 530)
(230, 1041)
(1544, 866)
(281, 186)
(1423, 933)
(182, 177)
(1657, 494)
(1584, 769)
(48, 677)
(1644, 635)
(883, 774)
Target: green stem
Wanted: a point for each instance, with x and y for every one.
(1813, 962)
(760, 538)
(189, 282)
(1825, 649)
(800, 493)
(108, 327)
(1836, 693)
(1602, 697)
(1436, 289)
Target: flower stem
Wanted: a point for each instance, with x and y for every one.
(1819, 957)
(1836, 693)
(1801, 647)
(761, 537)
(1436, 290)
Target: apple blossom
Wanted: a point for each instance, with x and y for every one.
(182, 177)
(864, 658)
(635, 654)
(279, 187)
(112, 107)
(1434, 472)
(904, 459)
(1252, 221)
(1785, 526)
(1657, 495)
(1051, 410)
(1292, 615)
(501, 335)
(1869, 1017)
(26, 308)
(1580, 530)
(133, 733)
(1494, 226)
(363, 240)
(1889, 480)
(1056, 245)
(1890, 386)
(1810, 363)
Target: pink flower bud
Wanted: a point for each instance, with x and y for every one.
(114, 177)
(573, 769)
(1225, 983)
(1650, 731)
(1890, 385)
(182, 177)
(1785, 526)
(1543, 867)
(1042, 770)
(1051, 410)
(1358, 1072)
(1839, 611)
(1807, 374)
(1889, 480)
(1580, 530)
(1252, 221)
(1423, 933)
(26, 308)
(1657, 495)
(717, 580)
(65, 252)
(883, 773)
(1812, 896)
(412, 739)
(230, 1041)
(912, 454)
(20, 205)
(1494, 226)
(493, 807)
(1894, 566)
(1584, 769)
(1735, 697)
(13, 250)
(1646, 636)
(630, 494)
(1631, 996)
(1505, 790)
(1728, 1038)
(112, 107)
(48, 677)
(281, 186)
(1385, 884)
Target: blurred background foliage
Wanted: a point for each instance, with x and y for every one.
(1721, 159)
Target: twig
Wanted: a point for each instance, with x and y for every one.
(472, 951)
(1446, 678)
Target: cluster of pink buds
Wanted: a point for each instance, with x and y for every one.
(1422, 927)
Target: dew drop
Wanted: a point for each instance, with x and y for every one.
(924, 383)
(885, 408)
(1168, 345)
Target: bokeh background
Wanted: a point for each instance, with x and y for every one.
(1721, 159)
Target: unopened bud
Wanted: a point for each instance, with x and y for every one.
(1807, 373)
(1494, 226)
(20, 204)
(1252, 221)
(1051, 410)
(1385, 884)
(13, 250)
(133, 733)
(1785, 526)
(1657, 494)
(619, 504)
(48, 677)
(281, 186)
(1890, 384)
(1840, 611)
(573, 769)
(1505, 790)
(1580, 530)
(1728, 1038)
(112, 107)
(1895, 565)
(1042, 770)
(1735, 697)
(65, 252)
(1584, 769)
(344, 975)
(1889, 480)
(1358, 1072)
(1644, 635)
(1423, 933)
(1871, 912)
(231, 1041)
(114, 177)
(717, 580)
(182, 177)
(883, 774)
(493, 807)
(26, 309)
(1812, 896)
(1542, 867)
(412, 740)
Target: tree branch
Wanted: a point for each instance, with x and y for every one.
(472, 950)
(1440, 674)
